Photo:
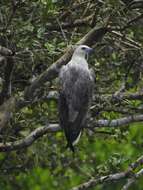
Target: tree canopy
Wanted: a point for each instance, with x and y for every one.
(36, 39)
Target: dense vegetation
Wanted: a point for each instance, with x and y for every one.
(38, 37)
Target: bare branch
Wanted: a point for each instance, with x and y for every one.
(108, 178)
(27, 141)
(118, 122)
(120, 96)
(133, 179)
(127, 40)
(76, 23)
(130, 181)
(129, 174)
(134, 20)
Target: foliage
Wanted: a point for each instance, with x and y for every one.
(38, 32)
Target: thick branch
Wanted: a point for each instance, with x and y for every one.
(119, 122)
(6, 110)
(27, 141)
(5, 51)
(6, 88)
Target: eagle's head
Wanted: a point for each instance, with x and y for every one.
(82, 51)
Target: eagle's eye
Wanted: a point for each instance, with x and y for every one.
(83, 48)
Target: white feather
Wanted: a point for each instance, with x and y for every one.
(77, 139)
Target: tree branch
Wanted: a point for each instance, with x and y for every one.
(6, 110)
(5, 51)
(130, 23)
(27, 141)
(119, 122)
(128, 42)
(133, 179)
(129, 173)
(33, 136)
(6, 87)
(76, 23)
(119, 97)
(108, 178)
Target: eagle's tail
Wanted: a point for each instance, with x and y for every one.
(69, 145)
(72, 138)
(72, 129)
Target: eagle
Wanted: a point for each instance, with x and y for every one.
(75, 94)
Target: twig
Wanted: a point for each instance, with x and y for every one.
(124, 83)
(15, 5)
(134, 20)
(133, 179)
(66, 25)
(123, 96)
(128, 40)
(63, 33)
(116, 98)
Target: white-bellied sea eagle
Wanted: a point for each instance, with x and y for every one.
(76, 80)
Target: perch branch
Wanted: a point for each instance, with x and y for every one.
(33, 136)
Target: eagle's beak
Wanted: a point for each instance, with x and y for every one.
(89, 50)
